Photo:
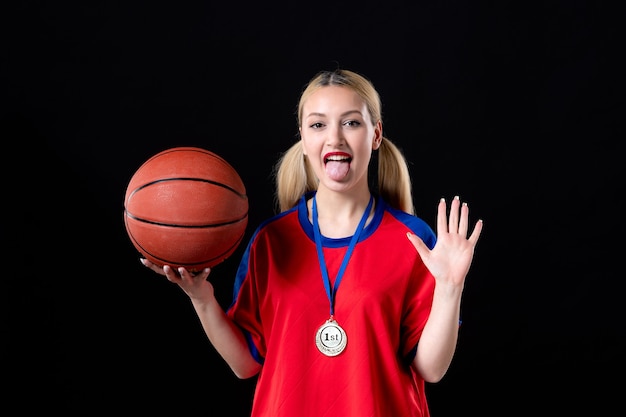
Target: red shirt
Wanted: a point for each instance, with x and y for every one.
(382, 303)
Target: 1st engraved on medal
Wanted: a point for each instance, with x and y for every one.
(331, 339)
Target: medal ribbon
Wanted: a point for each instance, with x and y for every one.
(320, 254)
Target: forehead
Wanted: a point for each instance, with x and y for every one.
(333, 99)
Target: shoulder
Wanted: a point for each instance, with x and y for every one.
(416, 224)
(286, 220)
(275, 221)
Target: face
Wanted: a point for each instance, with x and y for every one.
(338, 137)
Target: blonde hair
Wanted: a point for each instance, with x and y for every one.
(294, 175)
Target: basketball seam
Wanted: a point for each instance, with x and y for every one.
(202, 226)
(219, 184)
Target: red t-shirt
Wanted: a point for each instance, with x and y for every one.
(382, 303)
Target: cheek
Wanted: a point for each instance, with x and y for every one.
(309, 146)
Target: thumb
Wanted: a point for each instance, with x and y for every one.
(418, 243)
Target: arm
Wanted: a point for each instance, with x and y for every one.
(449, 262)
(227, 338)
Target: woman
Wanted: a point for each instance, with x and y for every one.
(346, 302)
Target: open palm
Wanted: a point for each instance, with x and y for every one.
(449, 261)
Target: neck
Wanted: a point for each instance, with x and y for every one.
(338, 216)
(342, 204)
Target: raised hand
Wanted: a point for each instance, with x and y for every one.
(449, 261)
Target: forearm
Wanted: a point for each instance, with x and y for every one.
(438, 342)
(227, 338)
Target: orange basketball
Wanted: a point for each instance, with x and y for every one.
(186, 207)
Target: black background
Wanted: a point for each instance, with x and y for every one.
(517, 107)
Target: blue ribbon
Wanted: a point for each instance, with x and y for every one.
(320, 254)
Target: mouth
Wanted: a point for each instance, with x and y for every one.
(337, 157)
(337, 165)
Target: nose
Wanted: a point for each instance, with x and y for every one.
(335, 135)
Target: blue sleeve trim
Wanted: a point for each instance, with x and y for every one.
(417, 226)
(253, 350)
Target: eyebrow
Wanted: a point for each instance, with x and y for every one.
(342, 114)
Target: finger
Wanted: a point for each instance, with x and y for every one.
(171, 274)
(204, 274)
(476, 232)
(442, 227)
(150, 265)
(463, 221)
(418, 243)
(186, 274)
(453, 223)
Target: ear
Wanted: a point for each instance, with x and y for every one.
(378, 135)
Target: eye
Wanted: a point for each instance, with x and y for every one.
(316, 125)
(352, 123)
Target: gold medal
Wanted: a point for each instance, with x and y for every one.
(331, 339)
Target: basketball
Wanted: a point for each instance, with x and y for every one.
(186, 207)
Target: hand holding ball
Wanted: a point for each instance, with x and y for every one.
(186, 207)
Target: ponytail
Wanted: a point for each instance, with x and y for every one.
(294, 178)
(394, 180)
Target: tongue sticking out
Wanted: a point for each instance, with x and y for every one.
(337, 170)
